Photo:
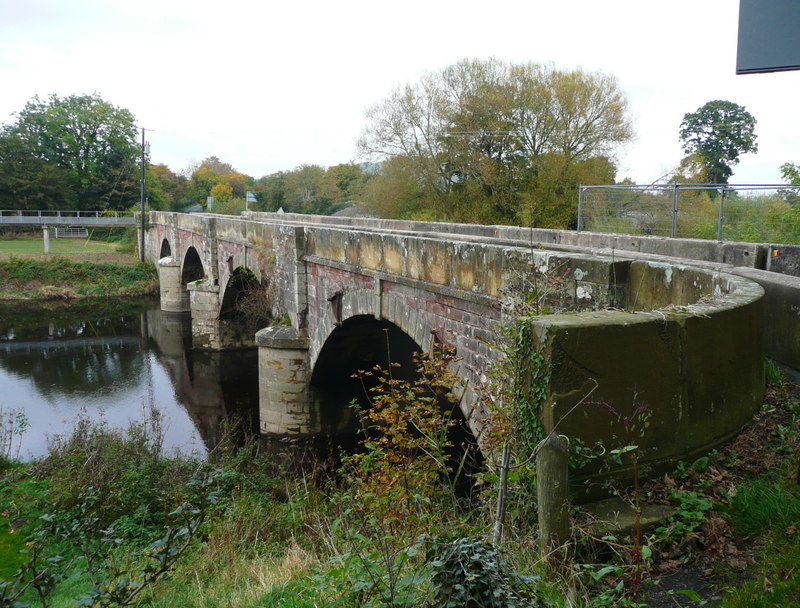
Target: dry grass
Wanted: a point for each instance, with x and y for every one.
(241, 581)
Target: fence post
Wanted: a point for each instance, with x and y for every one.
(675, 211)
(552, 492)
(580, 208)
(500, 512)
(721, 213)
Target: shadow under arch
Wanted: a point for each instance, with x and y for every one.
(241, 282)
(166, 250)
(361, 343)
(192, 267)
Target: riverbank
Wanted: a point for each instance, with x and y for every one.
(382, 529)
(58, 278)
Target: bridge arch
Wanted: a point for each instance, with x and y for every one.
(192, 269)
(363, 342)
(241, 301)
(358, 343)
(166, 249)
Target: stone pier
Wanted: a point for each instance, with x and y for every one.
(204, 298)
(174, 296)
(283, 374)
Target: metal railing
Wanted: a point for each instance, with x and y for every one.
(746, 212)
(47, 217)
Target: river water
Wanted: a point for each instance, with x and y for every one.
(117, 362)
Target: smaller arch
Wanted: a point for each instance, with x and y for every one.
(245, 299)
(192, 267)
(166, 250)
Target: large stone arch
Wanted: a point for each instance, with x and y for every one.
(364, 342)
(361, 342)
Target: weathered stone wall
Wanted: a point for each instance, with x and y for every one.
(695, 367)
(687, 341)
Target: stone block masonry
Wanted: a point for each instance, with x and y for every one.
(687, 338)
(284, 404)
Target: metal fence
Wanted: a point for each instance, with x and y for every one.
(748, 212)
(52, 217)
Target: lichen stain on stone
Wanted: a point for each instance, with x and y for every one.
(466, 276)
(393, 260)
(370, 256)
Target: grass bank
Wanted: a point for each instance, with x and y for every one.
(107, 509)
(58, 278)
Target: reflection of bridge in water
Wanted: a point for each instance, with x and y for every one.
(216, 389)
(58, 345)
(115, 366)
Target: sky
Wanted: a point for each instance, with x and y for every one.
(269, 86)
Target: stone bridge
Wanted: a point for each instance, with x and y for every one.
(680, 325)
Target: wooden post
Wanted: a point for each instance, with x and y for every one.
(553, 496)
(500, 513)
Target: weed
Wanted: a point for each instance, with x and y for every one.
(13, 425)
(125, 468)
(772, 372)
(57, 278)
(764, 505)
(470, 572)
(692, 509)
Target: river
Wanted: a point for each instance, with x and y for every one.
(117, 362)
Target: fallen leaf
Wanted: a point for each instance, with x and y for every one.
(672, 564)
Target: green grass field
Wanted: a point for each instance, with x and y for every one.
(57, 246)
(76, 250)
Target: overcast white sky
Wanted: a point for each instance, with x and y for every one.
(268, 86)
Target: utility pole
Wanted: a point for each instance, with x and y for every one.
(141, 230)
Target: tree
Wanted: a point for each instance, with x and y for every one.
(790, 172)
(172, 189)
(214, 164)
(718, 133)
(221, 192)
(302, 194)
(343, 183)
(274, 192)
(27, 181)
(476, 133)
(213, 172)
(90, 141)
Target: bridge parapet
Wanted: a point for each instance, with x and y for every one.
(657, 331)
